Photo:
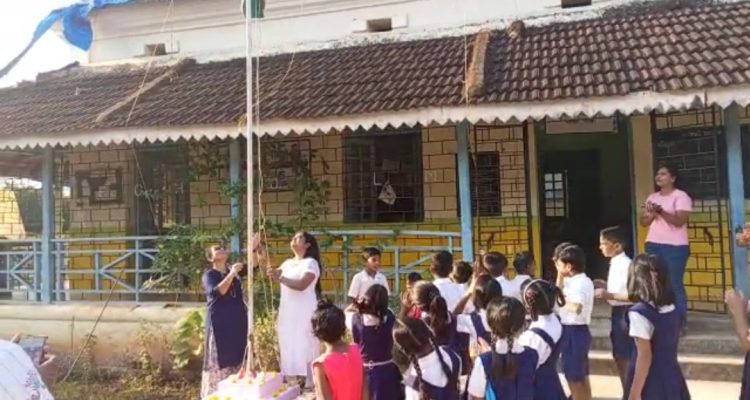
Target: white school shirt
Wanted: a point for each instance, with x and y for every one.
(464, 324)
(432, 372)
(577, 289)
(362, 281)
(452, 293)
(367, 320)
(478, 379)
(641, 327)
(549, 324)
(617, 278)
(19, 378)
(512, 287)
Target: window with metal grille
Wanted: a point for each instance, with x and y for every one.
(383, 176)
(162, 189)
(555, 194)
(484, 172)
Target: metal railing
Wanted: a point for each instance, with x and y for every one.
(88, 267)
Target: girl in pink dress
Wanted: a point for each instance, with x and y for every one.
(338, 373)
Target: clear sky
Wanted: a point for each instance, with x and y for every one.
(16, 27)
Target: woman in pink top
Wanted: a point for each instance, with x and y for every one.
(339, 373)
(666, 215)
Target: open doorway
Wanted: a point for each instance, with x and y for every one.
(584, 186)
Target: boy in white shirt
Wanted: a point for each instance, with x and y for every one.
(523, 263)
(369, 276)
(612, 242)
(497, 265)
(442, 266)
(575, 316)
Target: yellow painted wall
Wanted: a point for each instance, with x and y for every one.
(11, 224)
(706, 278)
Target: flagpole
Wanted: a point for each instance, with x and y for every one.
(250, 183)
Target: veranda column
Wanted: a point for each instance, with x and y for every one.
(235, 164)
(48, 224)
(736, 195)
(464, 191)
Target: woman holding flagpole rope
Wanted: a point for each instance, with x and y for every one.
(226, 320)
(299, 278)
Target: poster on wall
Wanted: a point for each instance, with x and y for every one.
(100, 186)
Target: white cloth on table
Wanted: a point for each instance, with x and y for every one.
(19, 378)
(298, 347)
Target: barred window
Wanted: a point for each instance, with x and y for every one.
(484, 172)
(383, 176)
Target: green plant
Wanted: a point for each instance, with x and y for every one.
(188, 339)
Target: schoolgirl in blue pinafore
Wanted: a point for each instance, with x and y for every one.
(440, 393)
(376, 345)
(665, 379)
(540, 298)
(547, 385)
(520, 387)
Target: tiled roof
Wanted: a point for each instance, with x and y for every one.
(672, 51)
(676, 50)
(355, 80)
(66, 100)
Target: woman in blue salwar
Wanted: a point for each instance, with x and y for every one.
(226, 320)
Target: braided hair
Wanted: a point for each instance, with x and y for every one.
(540, 297)
(414, 338)
(375, 302)
(429, 298)
(506, 318)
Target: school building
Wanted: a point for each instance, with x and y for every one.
(503, 139)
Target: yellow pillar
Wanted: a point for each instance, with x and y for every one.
(643, 169)
(533, 177)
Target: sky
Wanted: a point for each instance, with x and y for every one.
(16, 27)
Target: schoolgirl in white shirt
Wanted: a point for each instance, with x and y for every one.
(433, 370)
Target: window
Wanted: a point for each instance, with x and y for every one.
(574, 3)
(555, 194)
(484, 171)
(162, 189)
(383, 176)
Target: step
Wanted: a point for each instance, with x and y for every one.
(694, 366)
(708, 334)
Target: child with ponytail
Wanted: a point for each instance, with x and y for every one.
(435, 313)
(544, 336)
(433, 370)
(507, 370)
(371, 324)
(655, 326)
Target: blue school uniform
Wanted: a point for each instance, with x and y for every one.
(574, 348)
(519, 387)
(448, 392)
(482, 333)
(447, 338)
(619, 335)
(547, 385)
(665, 379)
(376, 345)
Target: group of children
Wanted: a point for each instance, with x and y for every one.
(475, 333)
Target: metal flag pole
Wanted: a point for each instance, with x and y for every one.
(250, 184)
